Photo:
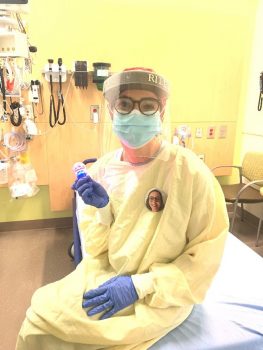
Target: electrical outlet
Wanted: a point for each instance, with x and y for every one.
(211, 132)
(222, 131)
(199, 132)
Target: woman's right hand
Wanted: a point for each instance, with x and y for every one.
(91, 192)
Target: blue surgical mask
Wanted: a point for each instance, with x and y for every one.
(135, 129)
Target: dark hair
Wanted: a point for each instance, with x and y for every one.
(147, 200)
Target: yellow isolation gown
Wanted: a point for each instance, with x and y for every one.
(172, 256)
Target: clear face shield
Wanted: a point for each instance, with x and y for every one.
(136, 112)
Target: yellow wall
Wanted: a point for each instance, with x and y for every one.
(33, 208)
(202, 46)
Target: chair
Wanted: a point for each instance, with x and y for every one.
(250, 174)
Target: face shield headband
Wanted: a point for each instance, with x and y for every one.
(138, 79)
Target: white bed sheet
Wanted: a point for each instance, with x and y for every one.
(231, 317)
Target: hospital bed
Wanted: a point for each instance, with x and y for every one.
(231, 316)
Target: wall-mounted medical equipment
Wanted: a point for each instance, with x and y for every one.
(94, 113)
(61, 102)
(260, 98)
(13, 37)
(35, 91)
(29, 124)
(13, 45)
(23, 178)
(52, 106)
(100, 73)
(4, 115)
(56, 73)
(3, 172)
(11, 83)
(15, 166)
(36, 97)
(13, 80)
(14, 142)
(17, 184)
(10, 77)
(15, 61)
(30, 128)
(16, 114)
(80, 70)
(14, 42)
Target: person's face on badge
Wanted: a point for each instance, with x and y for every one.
(155, 201)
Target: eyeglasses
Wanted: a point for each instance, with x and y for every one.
(154, 199)
(147, 106)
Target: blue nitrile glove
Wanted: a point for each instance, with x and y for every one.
(112, 296)
(91, 192)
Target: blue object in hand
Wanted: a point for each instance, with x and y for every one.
(79, 170)
(91, 192)
(112, 296)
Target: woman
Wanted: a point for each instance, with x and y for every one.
(154, 201)
(144, 272)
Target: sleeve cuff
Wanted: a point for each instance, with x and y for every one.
(104, 215)
(143, 284)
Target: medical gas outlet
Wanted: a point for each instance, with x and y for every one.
(94, 113)
(199, 132)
